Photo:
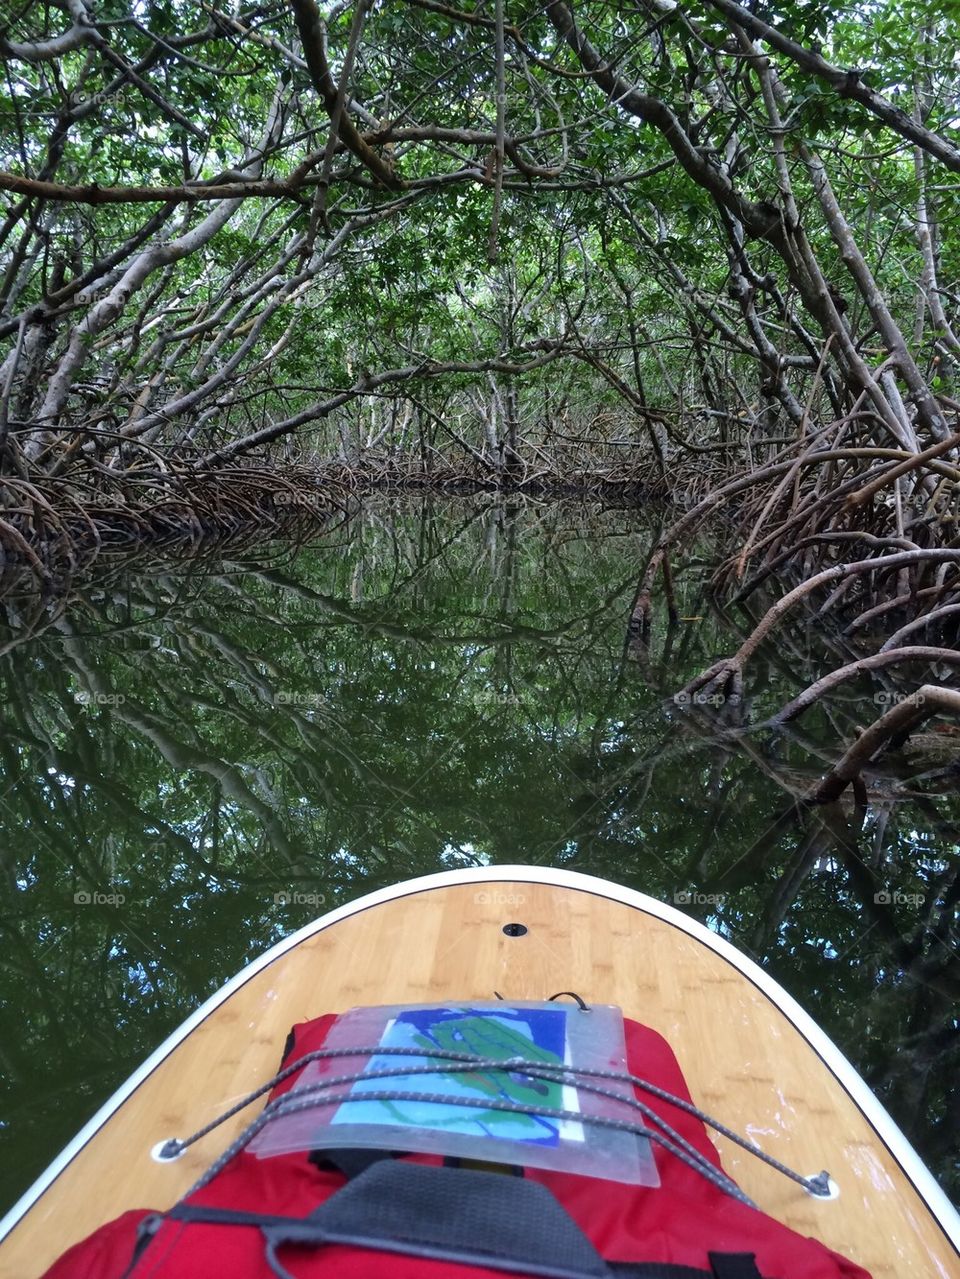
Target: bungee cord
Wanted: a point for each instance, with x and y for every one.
(318, 1094)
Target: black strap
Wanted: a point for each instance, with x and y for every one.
(723, 1265)
(447, 1214)
(734, 1265)
(656, 1270)
(288, 1046)
(350, 1160)
(207, 1215)
(450, 1214)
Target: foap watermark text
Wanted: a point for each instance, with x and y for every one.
(699, 699)
(294, 897)
(497, 897)
(691, 897)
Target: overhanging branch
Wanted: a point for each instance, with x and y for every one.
(848, 84)
(310, 26)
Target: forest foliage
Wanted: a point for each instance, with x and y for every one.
(481, 228)
(697, 250)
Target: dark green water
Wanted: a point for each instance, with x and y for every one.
(430, 687)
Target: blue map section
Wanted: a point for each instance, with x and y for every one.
(534, 1034)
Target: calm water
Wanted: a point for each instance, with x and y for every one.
(431, 686)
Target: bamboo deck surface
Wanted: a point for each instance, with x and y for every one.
(744, 1061)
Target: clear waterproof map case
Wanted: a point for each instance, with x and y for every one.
(458, 1111)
